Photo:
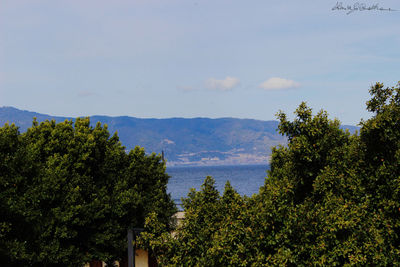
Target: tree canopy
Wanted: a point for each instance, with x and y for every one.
(330, 198)
(69, 192)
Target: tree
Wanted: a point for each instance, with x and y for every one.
(330, 198)
(69, 192)
(380, 148)
(208, 234)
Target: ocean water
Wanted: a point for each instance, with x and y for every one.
(245, 179)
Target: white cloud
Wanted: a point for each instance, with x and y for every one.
(276, 83)
(224, 85)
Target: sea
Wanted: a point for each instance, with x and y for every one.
(245, 179)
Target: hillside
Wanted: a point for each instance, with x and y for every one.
(197, 141)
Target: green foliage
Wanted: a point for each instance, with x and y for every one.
(330, 199)
(68, 193)
(197, 240)
(380, 138)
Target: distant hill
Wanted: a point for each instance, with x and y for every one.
(197, 141)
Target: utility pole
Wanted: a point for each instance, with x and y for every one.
(131, 259)
(131, 248)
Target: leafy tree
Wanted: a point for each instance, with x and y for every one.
(208, 235)
(69, 192)
(330, 199)
(380, 148)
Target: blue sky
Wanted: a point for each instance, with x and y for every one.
(183, 58)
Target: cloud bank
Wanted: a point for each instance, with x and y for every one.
(224, 85)
(276, 83)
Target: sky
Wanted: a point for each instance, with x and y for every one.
(184, 58)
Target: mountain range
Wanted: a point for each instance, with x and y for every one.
(184, 141)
